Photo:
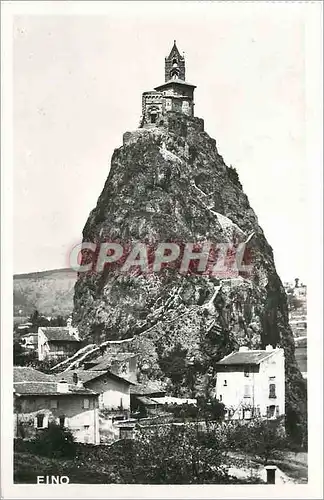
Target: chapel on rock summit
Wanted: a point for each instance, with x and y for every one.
(174, 95)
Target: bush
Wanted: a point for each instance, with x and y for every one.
(258, 437)
(55, 442)
(170, 454)
(207, 410)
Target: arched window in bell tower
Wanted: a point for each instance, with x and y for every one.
(175, 64)
(175, 72)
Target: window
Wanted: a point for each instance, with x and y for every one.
(272, 391)
(54, 403)
(246, 372)
(271, 411)
(62, 421)
(247, 391)
(86, 403)
(220, 397)
(247, 413)
(86, 427)
(225, 383)
(40, 420)
(153, 118)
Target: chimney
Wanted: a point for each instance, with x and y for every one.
(271, 474)
(69, 322)
(62, 386)
(243, 348)
(269, 347)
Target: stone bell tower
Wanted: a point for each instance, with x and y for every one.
(175, 65)
(174, 95)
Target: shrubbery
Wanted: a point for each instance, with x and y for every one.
(260, 438)
(206, 409)
(55, 442)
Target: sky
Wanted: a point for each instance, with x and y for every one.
(77, 85)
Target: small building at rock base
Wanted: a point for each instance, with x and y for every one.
(56, 341)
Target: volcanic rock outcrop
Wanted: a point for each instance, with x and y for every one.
(169, 183)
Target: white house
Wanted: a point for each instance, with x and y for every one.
(113, 390)
(251, 383)
(114, 400)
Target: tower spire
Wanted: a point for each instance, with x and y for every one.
(175, 65)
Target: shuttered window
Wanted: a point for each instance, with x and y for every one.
(272, 391)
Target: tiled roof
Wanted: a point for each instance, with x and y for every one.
(48, 388)
(27, 374)
(147, 388)
(174, 80)
(83, 375)
(88, 375)
(58, 333)
(147, 401)
(245, 358)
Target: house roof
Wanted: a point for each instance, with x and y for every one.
(58, 334)
(28, 374)
(252, 357)
(49, 388)
(30, 381)
(88, 375)
(107, 360)
(147, 401)
(172, 81)
(147, 388)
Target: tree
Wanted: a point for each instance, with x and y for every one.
(206, 410)
(34, 318)
(173, 365)
(172, 454)
(21, 356)
(55, 441)
(257, 438)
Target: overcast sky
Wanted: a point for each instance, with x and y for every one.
(78, 82)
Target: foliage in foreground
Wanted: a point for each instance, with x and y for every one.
(258, 437)
(165, 454)
(175, 453)
(53, 442)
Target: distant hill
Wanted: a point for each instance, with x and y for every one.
(50, 292)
